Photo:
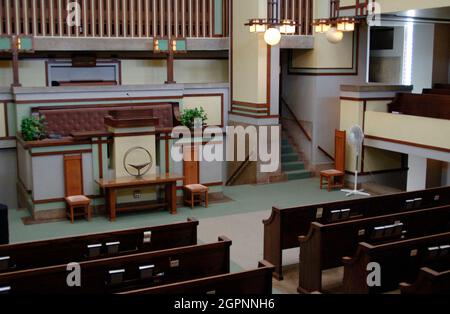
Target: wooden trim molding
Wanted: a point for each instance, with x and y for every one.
(441, 149)
(46, 101)
(366, 99)
(254, 116)
(67, 152)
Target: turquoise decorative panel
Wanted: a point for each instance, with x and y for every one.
(26, 44)
(181, 44)
(5, 44)
(163, 45)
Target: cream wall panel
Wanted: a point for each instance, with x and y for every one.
(212, 106)
(249, 53)
(403, 5)
(377, 105)
(325, 54)
(378, 160)
(419, 130)
(137, 72)
(31, 73)
(2, 120)
(201, 71)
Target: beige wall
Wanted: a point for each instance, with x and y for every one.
(249, 53)
(31, 72)
(419, 130)
(211, 104)
(136, 72)
(320, 56)
(403, 5)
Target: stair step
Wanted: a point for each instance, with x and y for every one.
(293, 166)
(287, 149)
(284, 141)
(298, 174)
(289, 157)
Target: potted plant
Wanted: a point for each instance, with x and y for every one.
(189, 116)
(33, 128)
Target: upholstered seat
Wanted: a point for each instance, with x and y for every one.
(332, 172)
(196, 188)
(78, 199)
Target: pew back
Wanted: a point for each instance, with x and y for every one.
(325, 245)
(20, 256)
(252, 282)
(429, 281)
(127, 272)
(428, 105)
(399, 261)
(283, 227)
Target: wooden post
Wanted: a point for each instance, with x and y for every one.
(15, 61)
(170, 60)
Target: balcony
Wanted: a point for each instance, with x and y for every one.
(111, 23)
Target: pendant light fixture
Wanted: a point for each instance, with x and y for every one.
(335, 26)
(272, 27)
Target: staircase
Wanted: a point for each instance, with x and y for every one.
(291, 162)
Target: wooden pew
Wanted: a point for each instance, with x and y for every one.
(429, 281)
(325, 245)
(428, 105)
(399, 261)
(21, 256)
(252, 282)
(124, 273)
(283, 227)
(441, 86)
(436, 91)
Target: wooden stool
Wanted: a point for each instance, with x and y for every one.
(193, 190)
(78, 202)
(331, 176)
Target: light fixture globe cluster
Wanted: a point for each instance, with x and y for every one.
(272, 29)
(334, 28)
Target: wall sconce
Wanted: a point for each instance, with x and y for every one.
(257, 25)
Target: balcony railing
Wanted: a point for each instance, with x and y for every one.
(300, 11)
(116, 18)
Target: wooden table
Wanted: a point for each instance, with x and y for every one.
(110, 186)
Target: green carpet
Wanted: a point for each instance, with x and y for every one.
(246, 199)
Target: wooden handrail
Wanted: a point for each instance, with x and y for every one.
(299, 124)
(239, 170)
(326, 153)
